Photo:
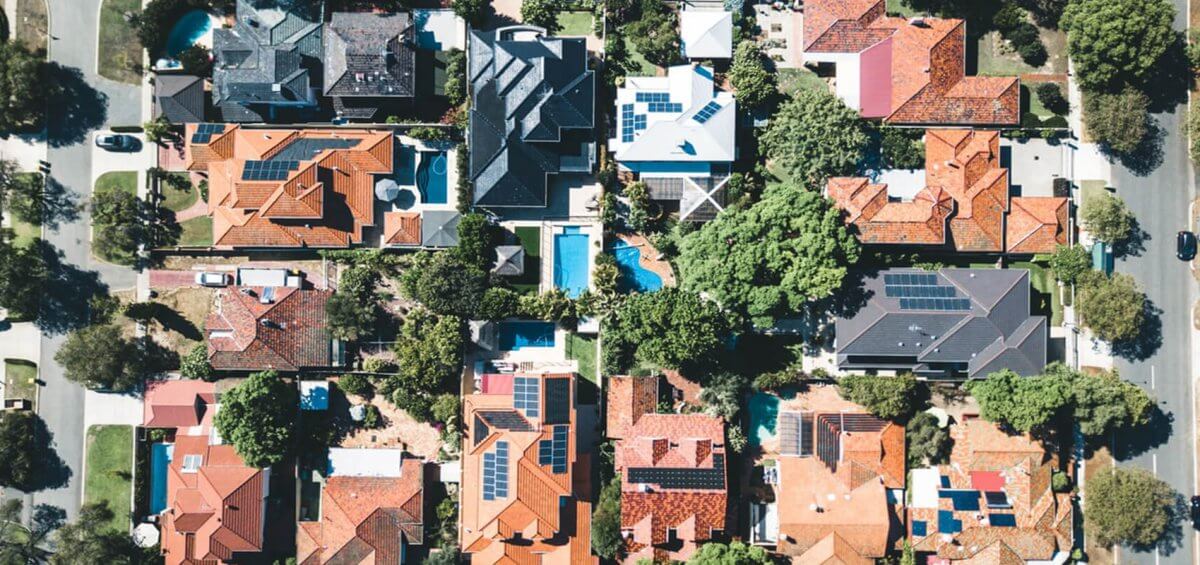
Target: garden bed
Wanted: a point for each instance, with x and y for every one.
(110, 472)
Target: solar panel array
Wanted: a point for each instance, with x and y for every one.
(205, 132)
(806, 434)
(558, 461)
(682, 478)
(666, 107)
(653, 97)
(525, 395)
(924, 291)
(962, 499)
(558, 401)
(495, 472)
(627, 123)
(708, 111)
(482, 431)
(910, 279)
(506, 420)
(268, 170)
(1002, 520)
(947, 304)
(921, 291)
(997, 499)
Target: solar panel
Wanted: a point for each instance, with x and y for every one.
(482, 431)
(665, 107)
(559, 454)
(627, 123)
(708, 111)
(918, 528)
(962, 499)
(268, 170)
(501, 469)
(653, 97)
(997, 499)
(682, 478)
(506, 420)
(205, 132)
(489, 476)
(947, 524)
(558, 401)
(1002, 520)
(806, 434)
(941, 304)
(545, 452)
(526, 395)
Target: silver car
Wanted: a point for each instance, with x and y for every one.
(208, 278)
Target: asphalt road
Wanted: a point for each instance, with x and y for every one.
(1160, 202)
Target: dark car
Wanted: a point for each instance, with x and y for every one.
(116, 142)
(1195, 509)
(1185, 245)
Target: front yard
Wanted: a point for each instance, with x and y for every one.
(20, 380)
(31, 22)
(109, 475)
(120, 53)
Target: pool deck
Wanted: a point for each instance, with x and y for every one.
(819, 397)
(648, 257)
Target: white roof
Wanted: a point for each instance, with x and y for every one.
(262, 277)
(450, 472)
(346, 462)
(924, 484)
(706, 34)
(677, 136)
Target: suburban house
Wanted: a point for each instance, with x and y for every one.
(706, 30)
(532, 113)
(963, 205)
(215, 506)
(289, 187)
(677, 134)
(993, 503)
(371, 509)
(840, 480)
(268, 63)
(521, 474)
(370, 62)
(949, 323)
(672, 467)
(905, 71)
(179, 99)
(252, 328)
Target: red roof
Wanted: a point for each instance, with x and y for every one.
(987, 481)
(497, 384)
(287, 333)
(177, 404)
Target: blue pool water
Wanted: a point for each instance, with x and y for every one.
(571, 261)
(160, 458)
(634, 278)
(516, 335)
(764, 410)
(431, 177)
(406, 165)
(187, 31)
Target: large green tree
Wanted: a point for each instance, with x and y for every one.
(1128, 507)
(101, 357)
(27, 544)
(429, 352)
(928, 444)
(117, 225)
(23, 275)
(668, 328)
(753, 83)
(541, 13)
(352, 311)
(1070, 261)
(90, 540)
(20, 447)
(738, 553)
(1104, 403)
(258, 417)
(656, 33)
(890, 398)
(24, 88)
(1112, 307)
(445, 284)
(769, 260)
(1117, 42)
(1120, 121)
(1107, 218)
(606, 521)
(815, 136)
(1024, 403)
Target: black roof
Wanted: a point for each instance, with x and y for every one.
(179, 98)
(369, 55)
(558, 401)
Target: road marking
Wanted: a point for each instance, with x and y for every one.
(1154, 463)
(1152, 382)
(1156, 556)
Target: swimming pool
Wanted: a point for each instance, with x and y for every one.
(519, 334)
(187, 31)
(571, 261)
(634, 277)
(406, 165)
(160, 458)
(431, 177)
(764, 410)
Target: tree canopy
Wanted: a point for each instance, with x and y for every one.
(1128, 507)
(352, 311)
(606, 521)
(814, 136)
(19, 449)
(89, 540)
(668, 328)
(1024, 403)
(1070, 261)
(656, 33)
(1120, 121)
(445, 284)
(258, 417)
(752, 82)
(1107, 218)
(24, 88)
(1117, 42)
(770, 259)
(429, 352)
(1114, 308)
(738, 553)
(23, 275)
(541, 13)
(928, 444)
(890, 398)
(101, 357)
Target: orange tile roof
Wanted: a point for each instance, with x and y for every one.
(629, 398)
(964, 203)
(286, 334)
(178, 404)
(543, 507)
(402, 228)
(1037, 224)
(325, 202)
(927, 69)
(362, 519)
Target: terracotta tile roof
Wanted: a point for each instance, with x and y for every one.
(544, 507)
(287, 334)
(833, 549)
(1042, 519)
(214, 514)
(1037, 224)
(966, 191)
(363, 518)
(325, 201)
(926, 71)
(402, 228)
(177, 404)
(629, 398)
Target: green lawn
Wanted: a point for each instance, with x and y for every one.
(120, 53)
(898, 7)
(583, 349)
(110, 470)
(638, 65)
(1090, 189)
(25, 231)
(531, 240)
(176, 199)
(117, 180)
(197, 232)
(20, 379)
(575, 23)
(996, 58)
(794, 80)
(1047, 289)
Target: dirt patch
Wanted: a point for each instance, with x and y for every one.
(31, 23)
(177, 321)
(399, 431)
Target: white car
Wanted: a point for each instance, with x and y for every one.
(212, 279)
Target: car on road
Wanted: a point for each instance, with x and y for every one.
(1185, 245)
(208, 278)
(116, 142)
(1195, 509)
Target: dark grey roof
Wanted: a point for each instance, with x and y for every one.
(369, 54)
(179, 98)
(526, 93)
(997, 331)
(439, 228)
(510, 260)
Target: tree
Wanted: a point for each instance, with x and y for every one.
(1117, 42)
(541, 13)
(1113, 308)
(196, 60)
(722, 395)
(1107, 218)
(1128, 507)
(1046, 12)
(89, 539)
(352, 311)
(195, 364)
(606, 521)
(928, 444)
(429, 351)
(21, 442)
(638, 195)
(475, 241)
(23, 275)
(23, 194)
(1104, 403)
(446, 408)
(1070, 261)
(890, 398)
(259, 418)
(815, 136)
(753, 83)
(1050, 93)
(902, 148)
(22, 544)
(713, 553)
(455, 86)
(789, 248)
(1120, 121)
(1025, 404)
(656, 33)
(117, 221)
(499, 303)
(445, 284)
(668, 328)
(24, 88)
(157, 130)
(356, 384)
(552, 306)
(100, 357)
(473, 11)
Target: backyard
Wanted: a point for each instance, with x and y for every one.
(530, 238)
(176, 319)
(575, 24)
(792, 81)
(583, 350)
(120, 53)
(179, 195)
(20, 380)
(109, 474)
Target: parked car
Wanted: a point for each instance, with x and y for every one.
(212, 279)
(1195, 509)
(116, 142)
(1185, 245)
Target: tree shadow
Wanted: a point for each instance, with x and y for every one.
(59, 204)
(1148, 340)
(49, 470)
(172, 320)
(1173, 536)
(77, 107)
(1131, 442)
(1135, 244)
(1167, 88)
(1147, 156)
(67, 293)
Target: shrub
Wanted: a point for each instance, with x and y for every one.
(446, 408)
(358, 385)
(639, 206)
(890, 398)
(1050, 93)
(1060, 482)
(429, 133)
(196, 60)
(1119, 121)
(736, 438)
(379, 365)
(902, 148)
(1008, 17)
(499, 303)
(372, 419)
(195, 364)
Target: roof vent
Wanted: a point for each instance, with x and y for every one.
(277, 87)
(248, 291)
(359, 77)
(900, 344)
(918, 21)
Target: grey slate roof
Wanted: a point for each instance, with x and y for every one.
(996, 332)
(179, 98)
(439, 228)
(266, 58)
(510, 260)
(527, 94)
(368, 54)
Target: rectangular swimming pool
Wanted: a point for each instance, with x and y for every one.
(160, 459)
(519, 334)
(571, 261)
